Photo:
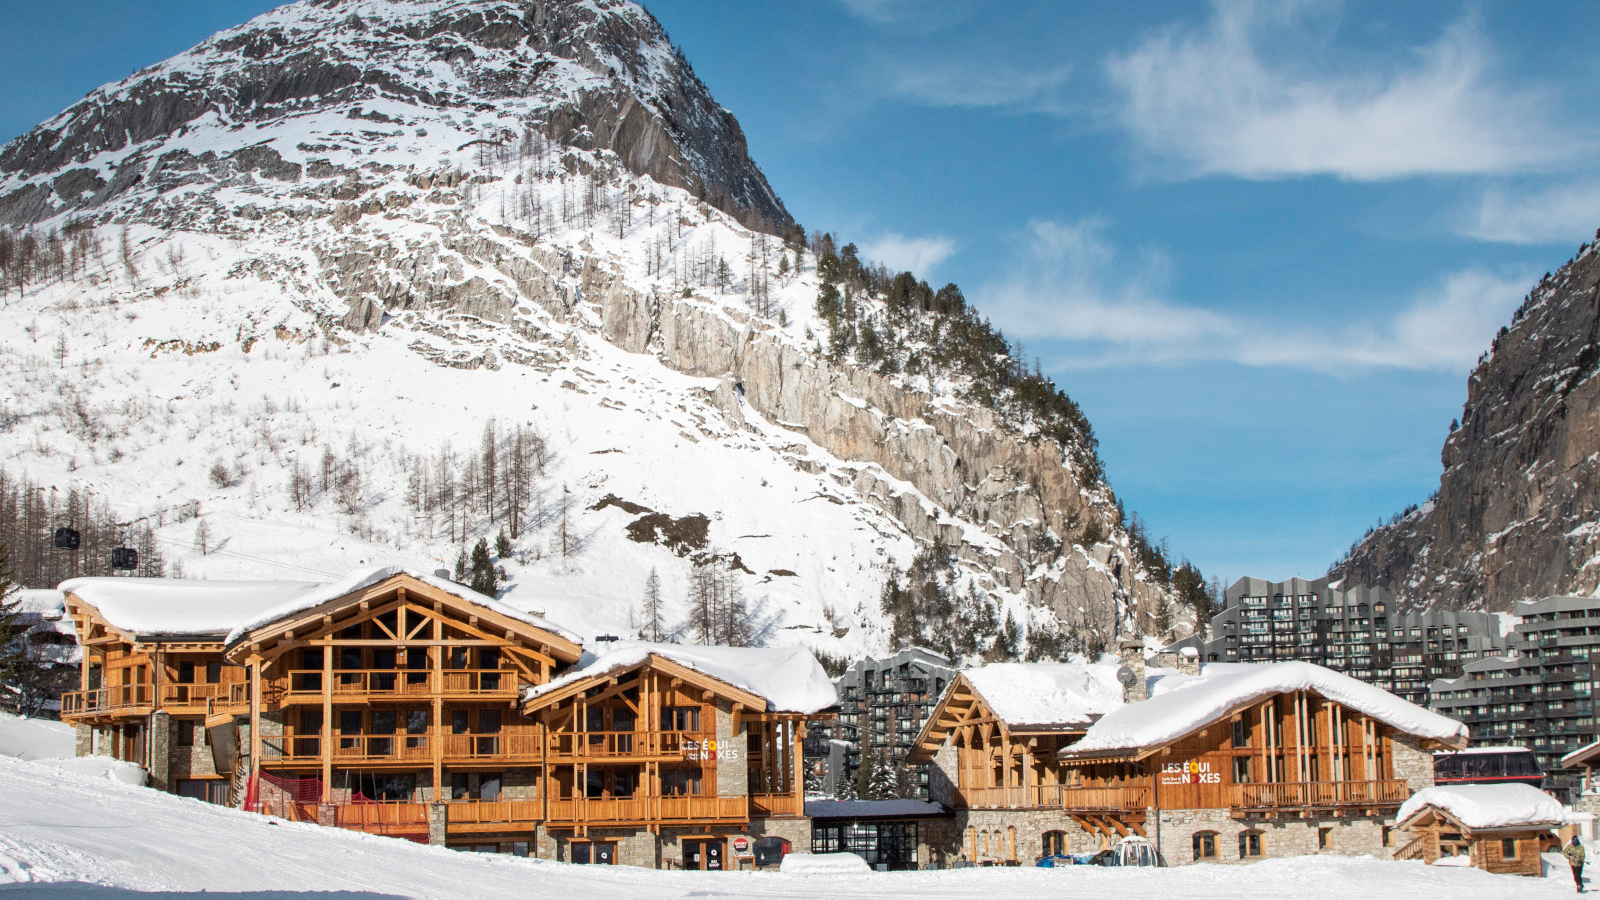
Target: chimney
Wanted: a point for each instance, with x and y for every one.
(1131, 653)
(1188, 661)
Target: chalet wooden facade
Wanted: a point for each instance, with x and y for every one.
(400, 704)
(1280, 760)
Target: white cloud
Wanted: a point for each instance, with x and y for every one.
(1074, 287)
(982, 85)
(1563, 214)
(917, 255)
(918, 15)
(1242, 97)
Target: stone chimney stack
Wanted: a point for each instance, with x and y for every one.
(1131, 654)
(1188, 661)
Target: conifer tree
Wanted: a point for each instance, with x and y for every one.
(485, 578)
(652, 622)
(14, 659)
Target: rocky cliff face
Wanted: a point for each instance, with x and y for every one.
(524, 211)
(594, 74)
(1516, 513)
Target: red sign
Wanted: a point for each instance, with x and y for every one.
(741, 845)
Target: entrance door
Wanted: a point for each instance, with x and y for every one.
(703, 854)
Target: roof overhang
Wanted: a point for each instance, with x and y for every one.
(754, 703)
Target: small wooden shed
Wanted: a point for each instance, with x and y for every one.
(1500, 828)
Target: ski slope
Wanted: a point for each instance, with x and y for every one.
(65, 836)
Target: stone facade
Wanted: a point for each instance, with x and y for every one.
(1280, 837)
(162, 741)
(1412, 764)
(733, 774)
(991, 835)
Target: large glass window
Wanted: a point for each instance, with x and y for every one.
(1205, 845)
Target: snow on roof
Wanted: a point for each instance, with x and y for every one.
(1489, 805)
(1581, 755)
(871, 809)
(1049, 694)
(176, 606)
(1503, 748)
(790, 678)
(365, 578)
(1185, 707)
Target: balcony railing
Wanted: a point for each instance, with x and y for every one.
(1318, 794)
(776, 805)
(105, 701)
(645, 809)
(373, 818)
(511, 744)
(202, 695)
(402, 747)
(629, 744)
(1056, 796)
(303, 684)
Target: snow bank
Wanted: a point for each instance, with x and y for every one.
(1051, 694)
(180, 606)
(1191, 705)
(27, 738)
(870, 809)
(1489, 805)
(790, 678)
(824, 864)
(365, 578)
(99, 767)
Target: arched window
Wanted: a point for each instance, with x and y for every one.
(1011, 843)
(972, 843)
(1249, 845)
(1205, 845)
(1055, 843)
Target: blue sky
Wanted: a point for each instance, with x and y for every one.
(1261, 243)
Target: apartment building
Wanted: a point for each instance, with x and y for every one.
(883, 704)
(1539, 694)
(1358, 631)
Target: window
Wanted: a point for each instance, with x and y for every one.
(682, 718)
(1205, 845)
(489, 786)
(186, 732)
(458, 785)
(1241, 770)
(1055, 843)
(1508, 848)
(1249, 845)
(213, 673)
(680, 782)
(1324, 838)
(186, 673)
(597, 853)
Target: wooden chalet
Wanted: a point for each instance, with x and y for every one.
(1269, 760)
(665, 755)
(1500, 828)
(401, 704)
(152, 672)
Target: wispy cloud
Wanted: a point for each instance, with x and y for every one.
(1241, 96)
(1073, 286)
(982, 85)
(917, 255)
(1562, 214)
(915, 15)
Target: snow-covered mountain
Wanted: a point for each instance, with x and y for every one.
(1515, 516)
(365, 281)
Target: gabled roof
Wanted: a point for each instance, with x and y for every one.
(1197, 702)
(1486, 807)
(767, 679)
(361, 585)
(1583, 756)
(1027, 698)
(178, 607)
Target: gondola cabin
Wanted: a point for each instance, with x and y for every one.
(1488, 765)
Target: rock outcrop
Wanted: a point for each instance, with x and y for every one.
(1518, 504)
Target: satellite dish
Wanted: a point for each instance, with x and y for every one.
(442, 573)
(1125, 675)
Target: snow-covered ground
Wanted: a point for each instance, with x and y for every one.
(67, 836)
(50, 743)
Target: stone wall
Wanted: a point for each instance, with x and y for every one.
(942, 776)
(1345, 836)
(733, 772)
(163, 739)
(796, 829)
(997, 830)
(1412, 764)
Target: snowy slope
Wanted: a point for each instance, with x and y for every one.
(147, 841)
(376, 270)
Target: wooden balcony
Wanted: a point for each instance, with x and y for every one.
(478, 816)
(776, 805)
(128, 699)
(1272, 797)
(401, 748)
(393, 819)
(645, 810)
(305, 685)
(626, 746)
(1056, 796)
